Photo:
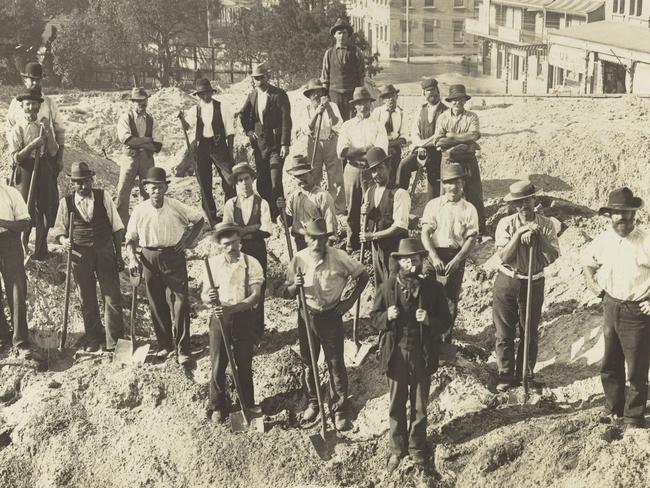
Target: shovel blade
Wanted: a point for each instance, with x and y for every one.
(140, 354)
(252, 421)
(324, 446)
(355, 354)
(122, 353)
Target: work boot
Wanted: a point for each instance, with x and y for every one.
(605, 416)
(183, 359)
(393, 463)
(219, 415)
(164, 353)
(92, 347)
(310, 413)
(505, 382)
(342, 422)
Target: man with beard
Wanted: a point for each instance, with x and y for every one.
(410, 312)
(514, 236)
(616, 266)
(387, 214)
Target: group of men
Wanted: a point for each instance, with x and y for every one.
(417, 280)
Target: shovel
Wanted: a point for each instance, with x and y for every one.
(246, 418)
(31, 194)
(127, 351)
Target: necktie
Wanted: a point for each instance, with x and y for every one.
(389, 122)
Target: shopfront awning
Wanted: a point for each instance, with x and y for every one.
(575, 7)
(568, 58)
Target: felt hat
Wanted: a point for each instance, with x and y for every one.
(138, 93)
(300, 165)
(259, 70)
(224, 228)
(361, 94)
(79, 171)
(33, 94)
(428, 83)
(314, 85)
(409, 247)
(202, 85)
(341, 24)
(317, 228)
(452, 171)
(388, 90)
(621, 199)
(375, 156)
(456, 92)
(156, 175)
(242, 168)
(520, 190)
(33, 70)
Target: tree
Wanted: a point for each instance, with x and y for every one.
(21, 36)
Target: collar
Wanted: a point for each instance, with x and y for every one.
(78, 198)
(523, 222)
(137, 115)
(242, 197)
(261, 91)
(451, 112)
(228, 260)
(432, 107)
(630, 236)
(205, 104)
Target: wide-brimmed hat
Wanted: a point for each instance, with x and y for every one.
(361, 94)
(155, 175)
(300, 165)
(456, 92)
(33, 70)
(33, 94)
(451, 171)
(225, 228)
(241, 168)
(520, 190)
(314, 85)
(259, 70)
(375, 156)
(409, 247)
(202, 85)
(428, 83)
(388, 90)
(138, 93)
(80, 171)
(317, 228)
(341, 24)
(621, 199)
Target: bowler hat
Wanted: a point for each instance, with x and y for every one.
(32, 94)
(259, 70)
(155, 175)
(242, 168)
(33, 70)
(388, 90)
(409, 247)
(299, 166)
(428, 83)
(519, 190)
(314, 85)
(79, 171)
(456, 92)
(621, 199)
(341, 24)
(375, 156)
(225, 228)
(452, 171)
(202, 85)
(138, 93)
(317, 228)
(361, 94)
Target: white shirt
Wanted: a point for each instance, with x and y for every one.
(12, 205)
(401, 205)
(48, 110)
(358, 133)
(246, 206)
(229, 278)
(380, 115)
(306, 113)
(207, 111)
(305, 206)
(86, 207)
(415, 127)
(262, 99)
(452, 222)
(623, 263)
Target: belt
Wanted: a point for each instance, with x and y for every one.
(623, 302)
(512, 274)
(158, 248)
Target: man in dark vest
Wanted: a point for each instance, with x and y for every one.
(343, 67)
(97, 238)
(214, 136)
(387, 214)
(266, 120)
(425, 151)
(252, 214)
(139, 133)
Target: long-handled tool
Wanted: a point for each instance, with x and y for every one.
(318, 441)
(127, 351)
(68, 280)
(31, 195)
(529, 295)
(246, 418)
(418, 175)
(287, 234)
(313, 153)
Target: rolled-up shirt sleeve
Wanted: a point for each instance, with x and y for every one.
(429, 215)
(266, 225)
(502, 234)
(62, 220)
(401, 209)
(113, 216)
(470, 221)
(15, 140)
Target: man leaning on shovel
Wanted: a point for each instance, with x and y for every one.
(523, 237)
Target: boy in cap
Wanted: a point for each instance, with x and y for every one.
(138, 132)
(514, 236)
(97, 237)
(410, 312)
(391, 116)
(238, 280)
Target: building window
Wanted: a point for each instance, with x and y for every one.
(540, 66)
(402, 24)
(429, 4)
(621, 7)
(615, 6)
(458, 27)
(515, 67)
(631, 7)
(428, 32)
(459, 3)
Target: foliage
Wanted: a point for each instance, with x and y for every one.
(21, 36)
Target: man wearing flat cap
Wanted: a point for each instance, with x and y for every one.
(456, 134)
(616, 266)
(266, 120)
(343, 67)
(513, 239)
(391, 116)
(425, 151)
(139, 133)
(97, 238)
(214, 133)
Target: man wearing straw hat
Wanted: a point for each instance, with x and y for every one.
(616, 269)
(138, 132)
(513, 239)
(410, 312)
(214, 134)
(449, 232)
(97, 237)
(391, 116)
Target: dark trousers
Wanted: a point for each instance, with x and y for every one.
(327, 332)
(342, 100)
(165, 279)
(268, 164)
(15, 284)
(474, 189)
(207, 155)
(509, 314)
(242, 334)
(97, 264)
(410, 164)
(356, 181)
(257, 248)
(626, 331)
(408, 380)
(395, 156)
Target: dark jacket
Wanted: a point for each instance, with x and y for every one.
(432, 299)
(275, 129)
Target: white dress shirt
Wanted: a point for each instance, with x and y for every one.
(380, 115)
(229, 278)
(207, 111)
(306, 113)
(452, 222)
(358, 133)
(262, 99)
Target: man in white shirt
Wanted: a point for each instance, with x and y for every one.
(616, 266)
(387, 214)
(214, 124)
(357, 136)
(391, 116)
(238, 281)
(164, 227)
(449, 232)
(97, 237)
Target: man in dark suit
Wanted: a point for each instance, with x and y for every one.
(266, 120)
